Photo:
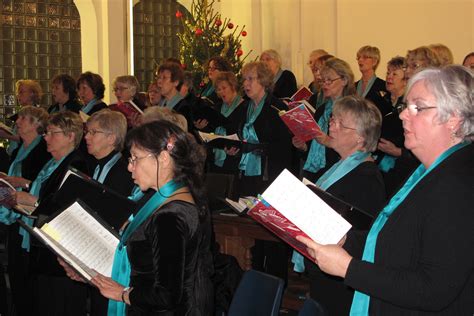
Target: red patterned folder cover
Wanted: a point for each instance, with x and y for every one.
(129, 109)
(302, 94)
(301, 123)
(278, 224)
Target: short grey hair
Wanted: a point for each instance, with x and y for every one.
(112, 122)
(453, 88)
(273, 54)
(367, 118)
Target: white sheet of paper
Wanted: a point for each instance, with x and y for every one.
(79, 232)
(305, 209)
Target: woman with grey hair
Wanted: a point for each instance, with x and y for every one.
(354, 131)
(284, 81)
(105, 137)
(337, 81)
(418, 256)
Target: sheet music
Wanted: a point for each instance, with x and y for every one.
(84, 237)
(305, 209)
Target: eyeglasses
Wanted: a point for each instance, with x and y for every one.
(212, 68)
(414, 109)
(413, 66)
(328, 81)
(163, 78)
(50, 133)
(133, 160)
(94, 131)
(338, 123)
(121, 89)
(249, 78)
(363, 57)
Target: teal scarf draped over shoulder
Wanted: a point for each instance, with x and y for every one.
(367, 88)
(90, 105)
(226, 110)
(316, 159)
(334, 174)
(171, 103)
(361, 301)
(208, 90)
(101, 175)
(6, 215)
(42, 177)
(251, 163)
(121, 267)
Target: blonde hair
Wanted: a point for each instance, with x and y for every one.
(157, 113)
(33, 86)
(130, 81)
(444, 54)
(273, 54)
(370, 51)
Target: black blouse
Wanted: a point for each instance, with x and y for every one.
(119, 178)
(285, 86)
(171, 263)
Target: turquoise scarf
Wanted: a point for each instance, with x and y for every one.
(6, 215)
(226, 110)
(121, 267)
(208, 90)
(171, 103)
(90, 105)
(101, 175)
(367, 88)
(251, 163)
(387, 162)
(361, 301)
(316, 159)
(334, 174)
(43, 175)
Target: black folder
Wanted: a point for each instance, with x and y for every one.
(214, 117)
(112, 207)
(358, 218)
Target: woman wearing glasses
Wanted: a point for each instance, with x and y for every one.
(163, 263)
(417, 257)
(105, 136)
(215, 66)
(53, 294)
(284, 81)
(126, 90)
(418, 59)
(370, 86)
(354, 130)
(26, 162)
(337, 81)
(396, 162)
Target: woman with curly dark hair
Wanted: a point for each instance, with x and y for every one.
(91, 88)
(163, 263)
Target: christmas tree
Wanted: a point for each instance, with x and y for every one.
(205, 34)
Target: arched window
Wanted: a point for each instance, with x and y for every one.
(154, 36)
(39, 39)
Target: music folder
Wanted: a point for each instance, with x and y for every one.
(111, 206)
(80, 237)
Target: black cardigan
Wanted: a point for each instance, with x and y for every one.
(362, 187)
(34, 162)
(376, 95)
(424, 258)
(286, 86)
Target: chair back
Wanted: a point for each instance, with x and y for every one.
(312, 308)
(258, 294)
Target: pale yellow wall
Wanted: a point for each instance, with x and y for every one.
(104, 39)
(296, 27)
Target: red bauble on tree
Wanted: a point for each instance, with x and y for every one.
(218, 22)
(230, 25)
(239, 52)
(201, 84)
(244, 33)
(179, 14)
(198, 32)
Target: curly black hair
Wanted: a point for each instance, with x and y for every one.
(187, 155)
